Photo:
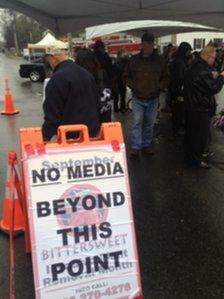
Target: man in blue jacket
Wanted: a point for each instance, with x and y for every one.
(71, 95)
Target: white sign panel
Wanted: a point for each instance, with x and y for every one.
(81, 224)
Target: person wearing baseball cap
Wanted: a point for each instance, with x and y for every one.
(56, 51)
(148, 37)
(71, 94)
(146, 74)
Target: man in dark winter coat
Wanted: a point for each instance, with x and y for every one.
(177, 71)
(71, 95)
(200, 85)
(146, 74)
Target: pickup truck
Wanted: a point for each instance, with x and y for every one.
(34, 70)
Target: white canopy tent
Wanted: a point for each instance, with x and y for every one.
(75, 15)
(157, 27)
(43, 43)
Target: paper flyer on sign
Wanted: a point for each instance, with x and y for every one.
(82, 230)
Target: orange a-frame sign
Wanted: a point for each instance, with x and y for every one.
(79, 215)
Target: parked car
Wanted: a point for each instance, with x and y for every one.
(34, 70)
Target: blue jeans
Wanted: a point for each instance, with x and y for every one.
(144, 116)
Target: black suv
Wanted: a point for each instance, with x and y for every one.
(34, 70)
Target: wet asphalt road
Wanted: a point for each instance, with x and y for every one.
(179, 211)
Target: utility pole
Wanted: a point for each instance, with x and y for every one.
(15, 36)
(31, 37)
(70, 44)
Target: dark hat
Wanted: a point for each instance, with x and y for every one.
(148, 37)
(98, 44)
(184, 47)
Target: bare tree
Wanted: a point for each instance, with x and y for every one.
(19, 30)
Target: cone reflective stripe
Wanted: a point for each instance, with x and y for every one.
(9, 108)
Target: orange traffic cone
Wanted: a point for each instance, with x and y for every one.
(18, 219)
(9, 105)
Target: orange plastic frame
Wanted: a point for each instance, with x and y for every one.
(31, 141)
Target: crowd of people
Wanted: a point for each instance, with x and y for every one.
(195, 78)
(85, 91)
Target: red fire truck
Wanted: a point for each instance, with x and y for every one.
(113, 44)
(132, 48)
